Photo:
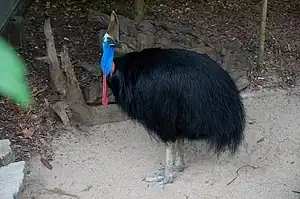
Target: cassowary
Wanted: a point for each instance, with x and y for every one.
(175, 94)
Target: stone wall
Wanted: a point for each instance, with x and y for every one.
(12, 173)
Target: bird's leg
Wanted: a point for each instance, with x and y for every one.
(179, 161)
(169, 164)
(166, 176)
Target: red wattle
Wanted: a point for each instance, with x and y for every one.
(104, 91)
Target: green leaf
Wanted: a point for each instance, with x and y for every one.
(13, 83)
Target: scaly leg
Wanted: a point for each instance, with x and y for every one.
(179, 161)
(166, 176)
(169, 164)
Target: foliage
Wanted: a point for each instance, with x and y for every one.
(12, 76)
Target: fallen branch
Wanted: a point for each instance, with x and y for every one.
(44, 59)
(34, 94)
(46, 163)
(61, 192)
(237, 172)
(298, 192)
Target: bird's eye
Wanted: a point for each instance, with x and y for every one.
(111, 42)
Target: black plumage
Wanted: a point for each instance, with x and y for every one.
(175, 94)
(179, 93)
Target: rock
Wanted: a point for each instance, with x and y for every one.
(127, 26)
(211, 52)
(11, 180)
(242, 83)
(297, 80)
(99, 17)
(129, 45)
(93, 94)
(13, 30)
(163, 41)
(93, 69)
(146, 34)
(146, 26)
(6, 154)
(145, 40)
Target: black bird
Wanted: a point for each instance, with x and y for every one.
(175, 94)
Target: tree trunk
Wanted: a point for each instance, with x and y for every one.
(139, 8)
(56, 74)
(65, 83)
(262, 36)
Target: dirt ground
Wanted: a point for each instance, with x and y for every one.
(232, 22)
(110, 161)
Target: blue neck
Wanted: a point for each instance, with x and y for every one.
(107, 58)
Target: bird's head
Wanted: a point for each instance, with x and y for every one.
(110, 41)
(112, 35)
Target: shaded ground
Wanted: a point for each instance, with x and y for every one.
(221, 22)
(110, 161)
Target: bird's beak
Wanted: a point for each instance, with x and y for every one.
(113, 43)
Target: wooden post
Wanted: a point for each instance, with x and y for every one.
(262, 37)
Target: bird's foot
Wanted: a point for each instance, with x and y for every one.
(168, 179)
(179, 168)
(179, 165)
(160, 177)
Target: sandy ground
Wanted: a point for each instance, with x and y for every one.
(110, 161)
